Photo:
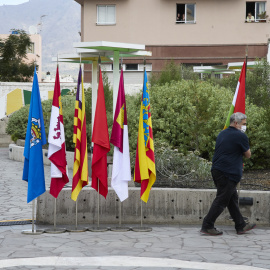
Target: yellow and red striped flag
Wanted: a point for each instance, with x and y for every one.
(80, 168)
(145, 168)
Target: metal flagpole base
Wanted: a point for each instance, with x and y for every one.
(32, 232)
(98, 229)
(55, 230)
(77, 229)
(141, 229)
(120, 229)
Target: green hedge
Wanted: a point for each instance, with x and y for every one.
(187, 115)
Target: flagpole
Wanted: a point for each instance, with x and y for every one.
(99, 63)
(246, 66)
(98, 204)
(120, 228)
(77, 229)
(33, 155)
(33, 230)
(120, 213)
(98, 229)
(142, 229)
(76, 216)
(141, 214)
(54, 222)
(238, 185)
(33, 213)
(245, 218)
(54, 230)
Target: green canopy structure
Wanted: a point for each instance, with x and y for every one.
(90, 52)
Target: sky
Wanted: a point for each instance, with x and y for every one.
(12, 2)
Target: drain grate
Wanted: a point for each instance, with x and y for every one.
(16, 222)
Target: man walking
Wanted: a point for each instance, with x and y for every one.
(231, 145)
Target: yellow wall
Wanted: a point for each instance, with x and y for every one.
(14, 101)
(50, 94)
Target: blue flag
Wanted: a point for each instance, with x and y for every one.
(33, 170)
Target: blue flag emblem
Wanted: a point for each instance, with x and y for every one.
(35, 132)
(145, 109)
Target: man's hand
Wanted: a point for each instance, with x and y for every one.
(247, 154)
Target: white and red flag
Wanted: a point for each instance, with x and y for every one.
(57, 147)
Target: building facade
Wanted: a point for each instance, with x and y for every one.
(202, 32)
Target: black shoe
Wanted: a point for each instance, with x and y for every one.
(213, 231)
(248, 227)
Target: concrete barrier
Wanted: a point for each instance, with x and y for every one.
(16, 153)
(165, 206)
(5, 139)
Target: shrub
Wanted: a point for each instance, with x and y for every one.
(189, 115)
(17, 124)
(186, 115)
(178, 170)
(172, 72)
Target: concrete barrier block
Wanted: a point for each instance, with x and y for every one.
(165, 206)
(16, 152)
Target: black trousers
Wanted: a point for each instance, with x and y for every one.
(226, 197)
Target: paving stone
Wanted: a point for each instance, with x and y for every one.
(177, 242)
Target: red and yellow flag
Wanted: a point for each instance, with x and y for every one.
(145, 168)
(80, 168)
(100, 138)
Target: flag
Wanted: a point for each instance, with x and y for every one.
(57, 147)
(238, 103)
(80, 168)
(100, 138)
(33, 170)
(121, 173)
(145, 168)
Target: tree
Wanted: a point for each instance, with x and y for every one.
(13, 67)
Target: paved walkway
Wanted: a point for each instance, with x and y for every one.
(165, 247)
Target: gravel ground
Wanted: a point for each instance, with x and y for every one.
(256, 180)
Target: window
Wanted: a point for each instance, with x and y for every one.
(127, 67)
(255, 12)
(185, 13)
(132, 67)
(31, 48)
(218, 75)
(106, 14)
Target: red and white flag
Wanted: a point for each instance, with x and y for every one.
(121, 172)
(57, 147)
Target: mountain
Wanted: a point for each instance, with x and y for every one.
(59, 28)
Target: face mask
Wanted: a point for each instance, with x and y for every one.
(243, 129)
